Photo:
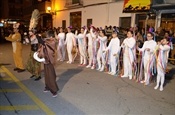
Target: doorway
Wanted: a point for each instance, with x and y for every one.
(75, 19)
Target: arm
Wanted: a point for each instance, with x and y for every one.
(92, 33)
(164, 48)
(102, 38)
(131, 43)
(14, 37)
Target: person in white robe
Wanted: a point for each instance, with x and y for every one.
(162, 60)
(129, 54)
(82, 46)
(70, 42)
(148, 53)
(61, 46)
(114, 49)
(101, 60)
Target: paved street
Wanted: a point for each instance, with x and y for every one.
(82, 92)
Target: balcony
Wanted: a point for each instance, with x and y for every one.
(74, 3)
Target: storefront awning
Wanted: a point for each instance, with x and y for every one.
(136, 6)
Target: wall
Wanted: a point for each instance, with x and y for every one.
(104, 14)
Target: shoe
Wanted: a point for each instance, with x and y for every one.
(84, 65)
(54, 95)
(46, 90)
(113, 73)
(161, 88)
(16, 69)
(68, 62)
(38, 78)
(80, 65)
(142, 81)
(130, 77)
(123, 76)
(93, 67)
(156, 87)
(101, 70)
(32, 76)
(20, 70)
(88, 66)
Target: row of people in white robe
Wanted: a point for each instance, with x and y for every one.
(97, 58)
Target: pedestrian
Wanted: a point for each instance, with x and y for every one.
(162, 60)
(70, 42)
(61, 46)
(101, 60)
(114, 49)
(129, 55)
(47, 55)
(92, 47)
(148, 55)
(82, 46)
(33, 66)
(15, 38)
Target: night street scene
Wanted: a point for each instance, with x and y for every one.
(87, 57)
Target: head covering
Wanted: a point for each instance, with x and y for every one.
(115, 30)
(84, 27)
(34, 19)
(33, 30)
(70, 27)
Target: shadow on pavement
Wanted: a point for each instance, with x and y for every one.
(66, 76)
(169, 76)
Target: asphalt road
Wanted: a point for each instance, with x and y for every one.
(82, 92)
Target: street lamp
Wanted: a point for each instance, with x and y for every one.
(51, 12)
(49, 9)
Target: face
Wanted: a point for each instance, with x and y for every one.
(164, 41)
(68, 29)
(129, 34)
(166, 35)
(149, 36)
(101, 33)
(30, 33)
(82, 30)
(114, 35)
(61, 29)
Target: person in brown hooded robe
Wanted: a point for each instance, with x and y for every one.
(47, 51)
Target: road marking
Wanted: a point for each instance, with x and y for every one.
(11, 90)
(19, 107)
(1, 71)
(29, 93)
(5, 79)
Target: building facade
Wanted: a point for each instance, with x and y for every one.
(78, 13)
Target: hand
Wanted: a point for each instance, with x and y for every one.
(147, 49)
(115, 55)
(104, 51)
(76, 32)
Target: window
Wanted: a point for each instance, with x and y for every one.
(89, 22)
(125, 22)
(63, 24)
(75, 1)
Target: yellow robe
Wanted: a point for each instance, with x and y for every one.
(17, 49)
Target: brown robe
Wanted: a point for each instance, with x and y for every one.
(49, 70)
